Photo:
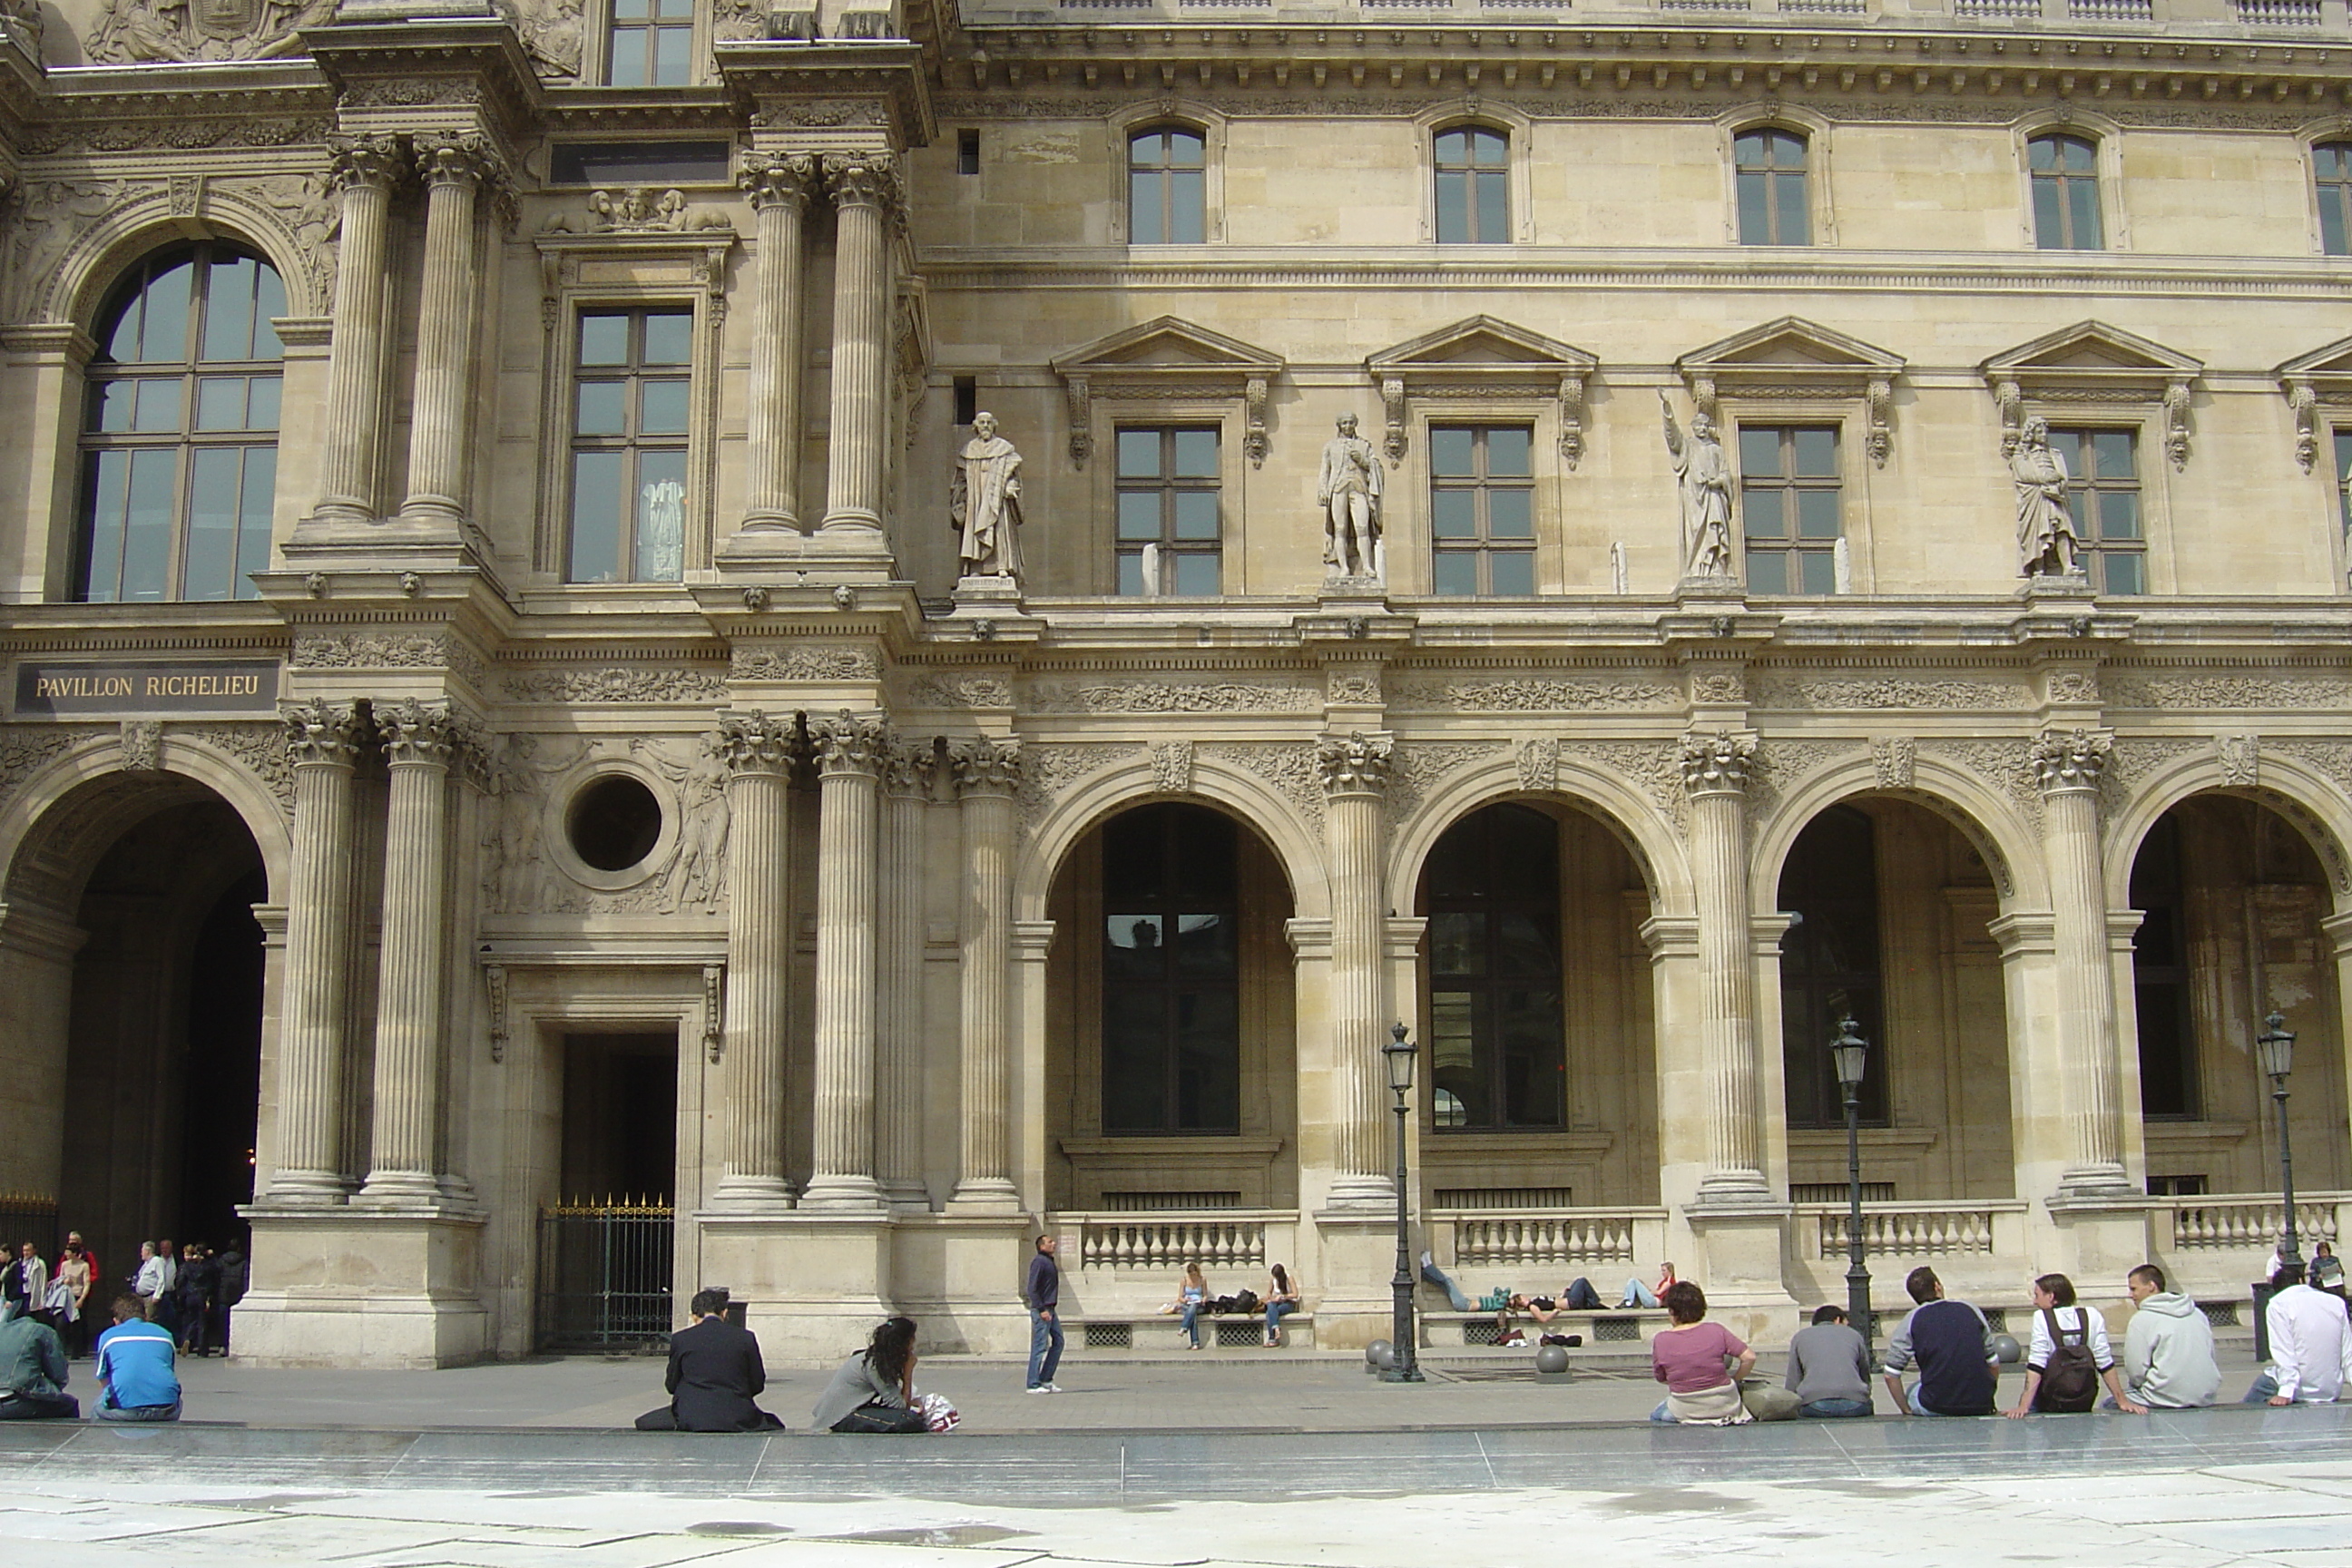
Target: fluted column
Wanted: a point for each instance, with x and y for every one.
(779, 188)
(987, 775)
(899, 1025)
(350, 425)
(1714, 768)
(1355, 772)
(758, 752)
(850, 753)
(411, 977)
(322, 742)
(865, 196)
(2067, 765)
(454, 170)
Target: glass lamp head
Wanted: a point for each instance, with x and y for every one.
(2274, 1048)
(1850, 1051)
(1399, 1054)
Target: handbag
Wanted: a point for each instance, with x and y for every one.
(938, 1414)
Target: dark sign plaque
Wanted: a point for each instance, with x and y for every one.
(72, 688)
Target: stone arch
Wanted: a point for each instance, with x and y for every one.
(2311, 799)
(1635, 821)
(1215, 782)
(2005, 840)
(78, 282)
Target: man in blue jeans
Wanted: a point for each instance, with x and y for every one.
(1043, 1292)
(135, 1377)
(1960, 1371)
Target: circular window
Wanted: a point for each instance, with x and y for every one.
(614, 823)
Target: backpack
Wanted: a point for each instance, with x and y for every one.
(2070, 1382)
(1245, 1302)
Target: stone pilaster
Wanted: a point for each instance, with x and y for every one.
(850, 755)
(864, 187)
(1355, 774)
(403, 1141)
(1714, 768)
(987, 775)
(322, 742)
(780, 187)
(758, 752)
(350, 426)
(2067, 765)
(455, 171)
(899, 1023)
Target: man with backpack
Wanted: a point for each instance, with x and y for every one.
(2068, 1357)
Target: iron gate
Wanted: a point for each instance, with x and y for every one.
(604, 1275)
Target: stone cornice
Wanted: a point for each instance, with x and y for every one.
(449, 75)
(835, 92)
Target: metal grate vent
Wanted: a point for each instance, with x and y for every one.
(1839, 1192)
(1249, 1331)
(1622, 1329)
(1110, 1336)
(1480, 1331)
(2220, 1314)
(1505, 1198)
(1164, 1203)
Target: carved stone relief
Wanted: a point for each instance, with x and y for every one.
(1420, 765)
(46, 218)
(1538, 764)
(1289, 765)
(519, 876)
(550, 33)
(142, 745)
(1050, 769)
(1352, 690)
(1169, 697)
(516, 876)
(1171, 765)
(1780, 766)
(259, 746)
(1866, 694)
(2129, 762)
(618, 683)
(2241, 760)
(2005, 765)
(131, 31)
(806, 663)
(639, 209)
(307, 211)
(390, 650)
(696, 874)
(959, 691)
(1892, 758)
(1654, 767)
(25, 748)
(2172, 693)
(1718, 686)
(1561, 696)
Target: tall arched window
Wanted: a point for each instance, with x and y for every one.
(180, 433)
(1172, 972)
(2066, 175)
(1474, 203)
(1769, 168)
(1496, 1052)
(1829, 965)
(1167, 186)
(2331, 168)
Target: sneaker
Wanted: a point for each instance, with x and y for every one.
(1051, 1388)
(1038, 1388)
(1427, 1258)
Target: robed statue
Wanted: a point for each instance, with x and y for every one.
(2047, 545)
(1703, 481)
(984, 502)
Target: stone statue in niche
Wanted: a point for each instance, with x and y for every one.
(2046, 543)
(1702, 482)
(697, 873)
(1347, 489)
(984, 502)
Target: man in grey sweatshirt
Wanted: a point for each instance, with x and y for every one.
(2168, 1347)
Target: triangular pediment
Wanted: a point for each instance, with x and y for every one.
(1791, 345)
(2091, 350)
(2333, 363)
(1482, 342)
(1166, 345)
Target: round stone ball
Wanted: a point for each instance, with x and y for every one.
(1552, 1358)
(1380, 1355)
(2005, 1348)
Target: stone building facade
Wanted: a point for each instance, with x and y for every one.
(530, 693)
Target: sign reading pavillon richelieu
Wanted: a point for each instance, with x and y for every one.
(66, 688)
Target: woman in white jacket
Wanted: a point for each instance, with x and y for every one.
(2055, 1313)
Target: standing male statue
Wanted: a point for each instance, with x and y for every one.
(2046, 541)
(1348, 491)
(984, 502)
(1703, 477)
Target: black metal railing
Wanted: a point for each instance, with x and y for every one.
(604, 1275)
(26, 1217)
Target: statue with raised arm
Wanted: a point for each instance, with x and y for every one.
(1349, 492)
(2047, 545)
(1703, 480)
(984, 502)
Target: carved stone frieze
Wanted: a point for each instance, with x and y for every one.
(1654, 767)
(1049, 770)
(1352, 690)
(618, 683)
(1538, 764)
(807, 662)
(26, 748)
(129, 32)
(1169, 697)
(259, 746)
(1422, 765)
(2129, 760)
(960, 691)
(2240, 758)
(47, 217)
(185, 133)
(1788, 690)
(1171, 765)
(1718, 686)
(1894, 758)
(1545, 696)
(2071, 686)
(2002, 764)
(1289, 765)
(1778, 767)
(2174, 693)
(638, 209)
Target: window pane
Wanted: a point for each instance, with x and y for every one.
(215, 493)
(1187, 207)
(109, 484)
(1453, 514)
(597, 502)
(269, 291)
(604, 340)
(253, 526)
(1196, 574)
(1196, 454)
(1748, 150)
(2049, 222)
(1139, 514)
(163, 332)
(1196, 515)
(669, 337)
(112, 402)
(1130, 574)
(1767, 572)
(1512, 571)
(1489, 149)
(1145, 226)
(2123, 574)
(1507, 452)
(1452, 148)
(2042, 153)
(1493, 210)
(1208, 1059)
(631, 10)
(1818, 570)
(1457, 943)
(670, 49)
(159, 405)
(2333, 235)
(1510, 514)
(1817, 514)
(2082, 157)
(1205, 945)
(220, 402)
(661, 516)
(2111, 449)
(261, 407)
(228, 310)
(1764, 513)
(1135, 1056)
(1186, 149)
(1795, 222)
(604, 407)
(2332, 160)
(1759, 452)
(628, 62)
(1816, 454)
(2118, 514)
(662, 407)
(1754, 211)
(1453, 209)
(147, 532)
(2085, 193)
(1139, 453)
(1454, 571)
(1453, 452)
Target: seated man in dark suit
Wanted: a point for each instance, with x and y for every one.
(714, 1372)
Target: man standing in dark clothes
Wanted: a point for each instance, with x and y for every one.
(1960, 1371)
(1043, 1292)
(199, 1291)
(714, 1372)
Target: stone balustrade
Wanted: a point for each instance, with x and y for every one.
(2228, 1222)
(1120, 1242)
(1908, 1230)
(1569, 1236)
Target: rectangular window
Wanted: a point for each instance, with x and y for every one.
(1769, 168)
(638, 162)
(2102, 498)
(967, 152)
(1474, 205)
(1170, 537)
(1482, 509)
(2331, 165)
(2064, 170)
(967, 399)
(1789, 502)
(631, 395)
(652, 43)
(2344, 479)
(1167, 187)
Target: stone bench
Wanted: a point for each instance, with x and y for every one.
(1156, 1333)
(1601, 1327)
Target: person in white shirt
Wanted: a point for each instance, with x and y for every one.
(2311, 1344)
(2055, 1313)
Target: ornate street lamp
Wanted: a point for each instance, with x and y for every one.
(2274, 1049)
(1850, 1052)
(1405, 1366)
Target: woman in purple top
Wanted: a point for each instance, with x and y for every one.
(1691, 1360)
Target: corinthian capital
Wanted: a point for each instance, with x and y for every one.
(2070, 759)
(458, 161)
(1354, 763)
(416, 732)
(863, 179)
(376, 162)
(848, 744)
(986, 765)
(322, 734)
(909, 769)
(753, 743)
(777, 178)
(1717, 762)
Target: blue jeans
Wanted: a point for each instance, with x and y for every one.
(1274, 1311)
(1191, 1326)
(1663, 1415)
(1045, 1346)
(1911, 1394)
(1638, 1295)
(1439, 1278)
(136, 1413)
(2264, 1390)
(1836, 1409)
(1580, 1296)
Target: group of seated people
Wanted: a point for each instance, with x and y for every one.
(1192, 1298)
(716, 1376)
(138, 1378)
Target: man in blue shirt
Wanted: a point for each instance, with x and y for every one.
(135, 1379)
(1960, 1371)
(1043, 1292)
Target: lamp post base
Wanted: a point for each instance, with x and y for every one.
(1401, 1374)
